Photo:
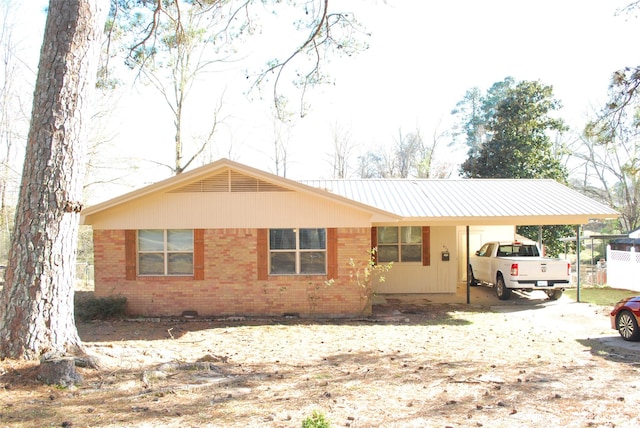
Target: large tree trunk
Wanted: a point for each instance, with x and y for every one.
(37, 300)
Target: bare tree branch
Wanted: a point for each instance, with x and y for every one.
(320, 37)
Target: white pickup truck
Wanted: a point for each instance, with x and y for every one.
(518, 266)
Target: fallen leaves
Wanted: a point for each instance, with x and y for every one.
(447, 366)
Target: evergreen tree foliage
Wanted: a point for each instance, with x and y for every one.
(518, 122)
(551, 236)
(510, 137)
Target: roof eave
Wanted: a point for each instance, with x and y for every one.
(568, 219)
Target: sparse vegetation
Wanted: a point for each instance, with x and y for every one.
(363, 272)
(100, 308)
(602, 296)
(316, 420)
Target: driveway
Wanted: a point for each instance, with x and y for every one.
(583, 319)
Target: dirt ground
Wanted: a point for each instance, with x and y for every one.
(413, 363)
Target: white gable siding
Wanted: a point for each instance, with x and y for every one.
(230, 210)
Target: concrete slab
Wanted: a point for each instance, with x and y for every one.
(479, 296)
(563, 313)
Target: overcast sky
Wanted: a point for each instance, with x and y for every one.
(422, 58)
(424, 55)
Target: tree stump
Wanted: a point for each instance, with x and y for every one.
(59, 371)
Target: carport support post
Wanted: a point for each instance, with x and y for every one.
(468, 258)
(578, 231)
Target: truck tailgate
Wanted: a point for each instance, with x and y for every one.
(541, 269)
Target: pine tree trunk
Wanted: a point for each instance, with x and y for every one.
(37, 299)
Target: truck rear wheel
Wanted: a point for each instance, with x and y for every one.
(502, 291)
(554, 294)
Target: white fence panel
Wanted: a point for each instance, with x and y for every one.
(623, 269)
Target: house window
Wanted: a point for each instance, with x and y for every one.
(165, 252)
(400, 244)
(297, 251)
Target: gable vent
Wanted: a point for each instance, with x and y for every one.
(230, 181)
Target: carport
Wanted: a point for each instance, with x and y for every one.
(536, 203)
(476, 209)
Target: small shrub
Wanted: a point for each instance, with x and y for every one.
(316, 420)
(363, 272)
(100, 308)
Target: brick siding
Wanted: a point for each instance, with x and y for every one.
(231, 285)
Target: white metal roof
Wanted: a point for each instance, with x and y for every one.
(472, 200)
(450, 202)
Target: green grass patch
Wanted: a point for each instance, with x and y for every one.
(602, 296)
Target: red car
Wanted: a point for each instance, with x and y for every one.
(625, 318)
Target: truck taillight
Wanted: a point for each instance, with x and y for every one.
(568, 269)
(514, 269)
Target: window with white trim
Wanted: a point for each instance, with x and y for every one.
(399, 244)
(298, 251)
(165, 252)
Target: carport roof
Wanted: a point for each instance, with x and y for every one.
(472, 201)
